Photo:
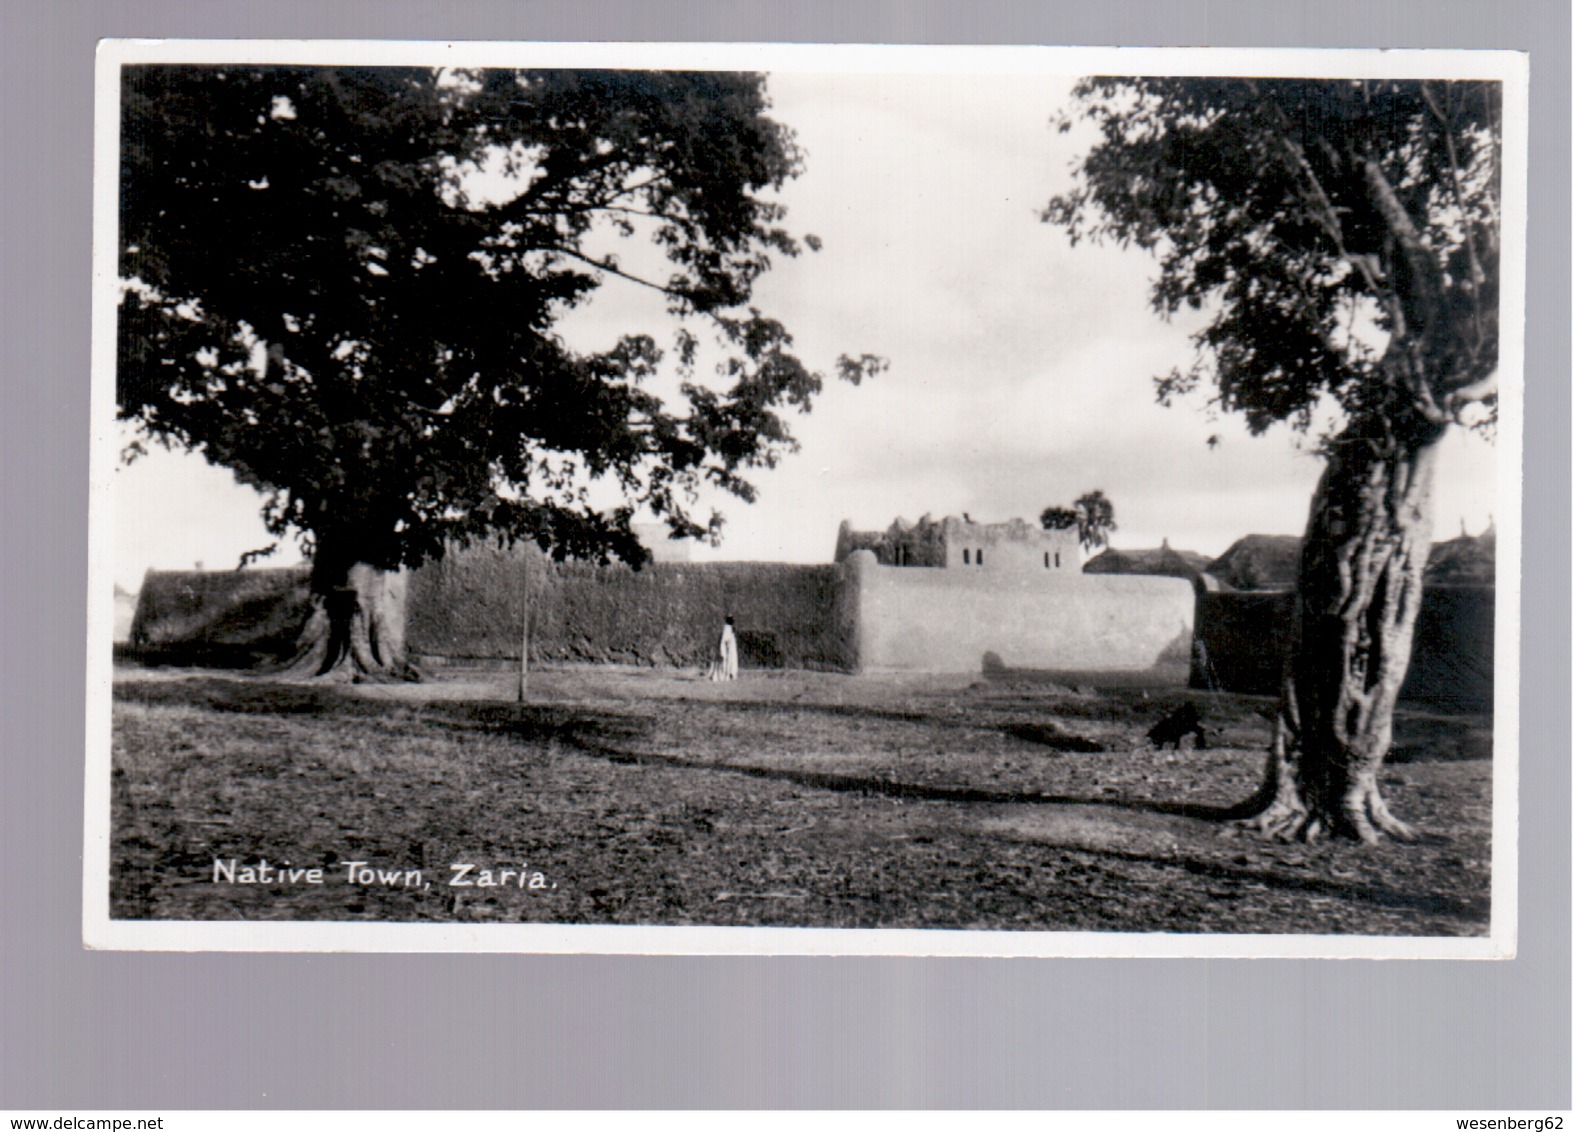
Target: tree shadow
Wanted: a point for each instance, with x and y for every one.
(1362, 892)
(977, 718)
(541, 722)
(247, 695)
(593, 742)
(610, 735)
(1048, 735)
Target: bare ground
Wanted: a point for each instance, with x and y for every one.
(787, 799)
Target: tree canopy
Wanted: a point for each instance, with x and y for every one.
(1317, 222)
(342, 284)
(1092, 518)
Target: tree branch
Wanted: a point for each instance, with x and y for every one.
(1417, 254)
(1321, 207)
(572, 253)
(1477, 274)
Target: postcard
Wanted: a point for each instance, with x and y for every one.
(766, 499)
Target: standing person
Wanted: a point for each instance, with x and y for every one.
(726, 665)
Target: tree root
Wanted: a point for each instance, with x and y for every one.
(1364, 817)
(1284, 821)
(1367, 812)
(349, 656)
(1284, 808)
(402, 673)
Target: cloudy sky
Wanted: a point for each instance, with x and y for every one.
(1020, 368)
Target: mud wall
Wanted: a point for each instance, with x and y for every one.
(468, 606)
(1240, 639)
(856, 616)
(1452, 665)
(226, 618)
(1454, 659)
(962, 621)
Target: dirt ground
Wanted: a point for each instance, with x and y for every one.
(639, 796)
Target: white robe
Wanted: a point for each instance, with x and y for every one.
(726, 665)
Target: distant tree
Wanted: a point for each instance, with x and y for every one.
(1095, 520)
(342, 285)
(1343, 238)
(1092, 518)
(1058, 518)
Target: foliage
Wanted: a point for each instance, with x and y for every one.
(1313, 220)
(1095, 519)
(343, 285)
(1092, 518)
(1058, 518)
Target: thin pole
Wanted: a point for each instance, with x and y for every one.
(524, 631)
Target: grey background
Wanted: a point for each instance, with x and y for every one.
(126, 1031)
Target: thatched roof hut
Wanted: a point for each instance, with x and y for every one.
(1271, 562)
(1468, 560)
(1259, 562)
(1163, 561)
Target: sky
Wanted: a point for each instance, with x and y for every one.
(1020, 369)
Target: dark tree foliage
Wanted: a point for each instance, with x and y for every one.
(1343, 238)
(1092, 518)
(323, 295)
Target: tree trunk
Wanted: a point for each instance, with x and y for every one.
(1357, 601)
(356, 628)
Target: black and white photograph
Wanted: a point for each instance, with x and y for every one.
(805, 500)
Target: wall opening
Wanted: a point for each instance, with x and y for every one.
(980, 556)
(966, 556)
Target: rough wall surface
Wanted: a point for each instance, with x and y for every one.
(229, 617)
(1240, 639)
(469, 603)
(1452, 665)
(958, 621)
(469, 606)
(1454, 659)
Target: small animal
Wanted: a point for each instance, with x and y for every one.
(1177, 724)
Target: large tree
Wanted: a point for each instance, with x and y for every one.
(1342, 239)
(344, 284)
